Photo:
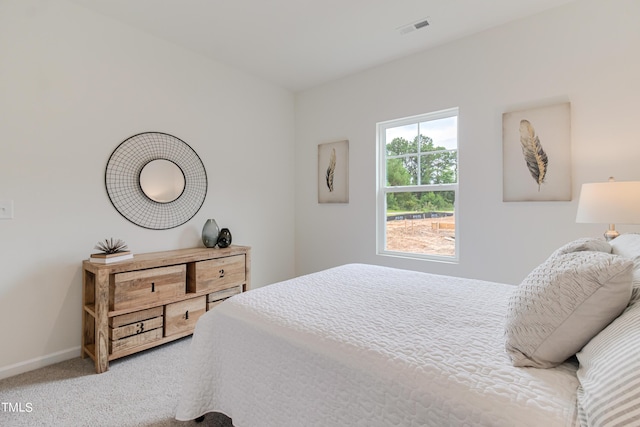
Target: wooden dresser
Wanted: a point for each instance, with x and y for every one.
(154, 298)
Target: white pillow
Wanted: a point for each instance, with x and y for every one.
(628, 246)
(584, 244)
(562, 304)
(609, 374)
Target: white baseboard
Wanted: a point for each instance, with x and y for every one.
(39, 362)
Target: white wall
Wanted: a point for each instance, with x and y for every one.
(585, 52)
(73, 85)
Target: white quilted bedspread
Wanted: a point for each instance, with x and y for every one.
(362, 345)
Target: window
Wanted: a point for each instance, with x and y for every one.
(417, 186)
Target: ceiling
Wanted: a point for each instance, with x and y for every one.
(298, 44)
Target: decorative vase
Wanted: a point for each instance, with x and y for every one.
(210, 233)
(224, 238)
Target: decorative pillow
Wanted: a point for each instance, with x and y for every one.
(628, 246)
(609, 374)
(584, 244)
(562, 304)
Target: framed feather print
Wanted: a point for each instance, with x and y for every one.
(536, 145)
(333, 172)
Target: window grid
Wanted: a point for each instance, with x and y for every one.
(417, 188)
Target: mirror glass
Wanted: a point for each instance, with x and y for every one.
(162, 181)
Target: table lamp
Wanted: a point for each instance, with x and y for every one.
(613, 202)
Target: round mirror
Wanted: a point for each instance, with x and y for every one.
(162, 181)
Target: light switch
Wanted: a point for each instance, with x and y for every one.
(6, 209)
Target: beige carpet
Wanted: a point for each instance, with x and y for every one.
(139, 390)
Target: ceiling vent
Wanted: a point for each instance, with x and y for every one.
(406, 29)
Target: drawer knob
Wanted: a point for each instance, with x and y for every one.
(221, 273)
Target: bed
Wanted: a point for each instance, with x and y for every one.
(365, 345)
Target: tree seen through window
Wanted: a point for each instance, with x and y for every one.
(419, 162)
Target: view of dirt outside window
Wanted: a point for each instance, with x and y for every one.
(416, 234)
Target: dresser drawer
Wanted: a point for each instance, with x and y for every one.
(135, 323)
(143, 287)
(216, 298)
(216, 274)
(124, 344)
(181, 317)
(134, 329)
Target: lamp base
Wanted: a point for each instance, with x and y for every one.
(611, 233)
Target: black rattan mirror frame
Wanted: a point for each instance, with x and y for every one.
(122, 180)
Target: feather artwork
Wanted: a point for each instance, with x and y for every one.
(534, 155)
(331, 170)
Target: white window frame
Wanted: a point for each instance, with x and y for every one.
(383, 189)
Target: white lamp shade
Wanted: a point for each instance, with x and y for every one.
(610, 203)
